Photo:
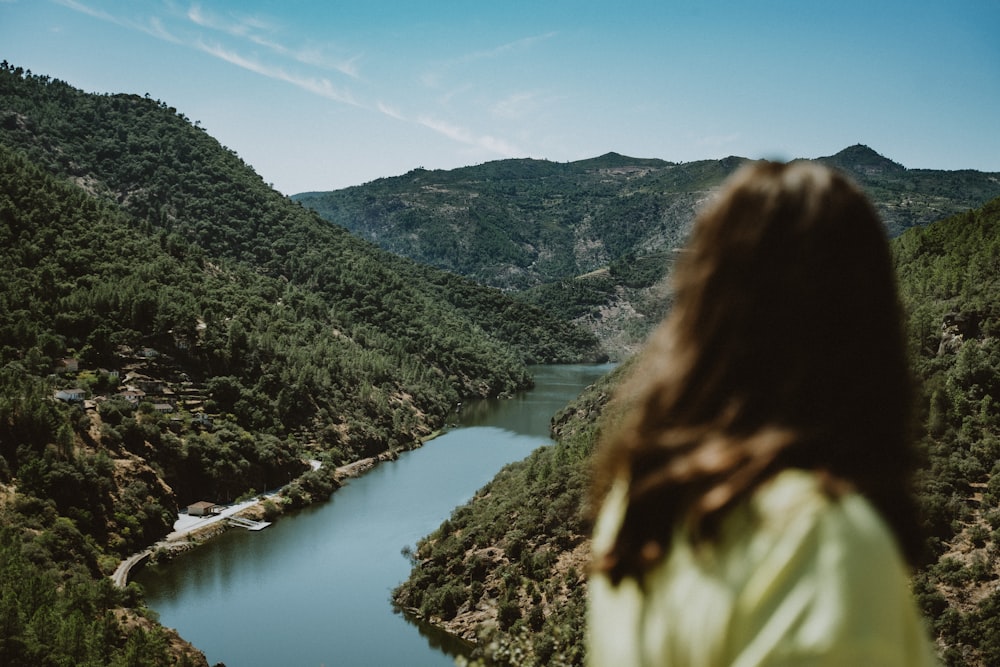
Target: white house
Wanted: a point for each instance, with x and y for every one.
(71, 395)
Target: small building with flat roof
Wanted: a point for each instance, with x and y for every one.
(202, 508)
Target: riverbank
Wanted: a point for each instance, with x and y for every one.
(190, 531)
(319, 582)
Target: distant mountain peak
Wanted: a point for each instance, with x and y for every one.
(613, 160)
(861, 158)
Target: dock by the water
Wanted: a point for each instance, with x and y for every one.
(249, 524)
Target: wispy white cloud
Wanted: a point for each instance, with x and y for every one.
(392, 112)
(242, 26)
(453, 132)
(89, 11)
(509, 47)
(316, 56)
(259, 31)
(500, 146)
(465, 136)
(435, 75)
(158, 30)
(318, 86)
(154, 27)
(515, 105)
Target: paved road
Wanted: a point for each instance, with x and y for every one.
(120, 575)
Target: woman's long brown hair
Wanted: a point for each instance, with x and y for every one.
(783, 349)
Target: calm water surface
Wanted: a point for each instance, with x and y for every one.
(313, 589)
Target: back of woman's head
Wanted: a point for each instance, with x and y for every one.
(786, 311)
(783, 348)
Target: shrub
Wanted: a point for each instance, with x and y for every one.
(508, 614)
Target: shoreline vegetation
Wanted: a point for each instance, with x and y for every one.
(191, 532)
(506, 572)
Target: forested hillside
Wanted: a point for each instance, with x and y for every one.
(328, 313)
(591, 240)
(173, 330)
(520, 223)
(950, 280)
(522, 590)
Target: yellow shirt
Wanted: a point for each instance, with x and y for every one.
(796, 578)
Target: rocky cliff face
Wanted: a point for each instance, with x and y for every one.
(956, 328)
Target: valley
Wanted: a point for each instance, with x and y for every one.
(173, 330)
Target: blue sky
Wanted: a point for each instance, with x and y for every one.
(322, 94)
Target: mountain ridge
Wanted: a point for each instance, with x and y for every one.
(519, 223)
(592, 240)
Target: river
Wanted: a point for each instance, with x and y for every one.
(313, 589)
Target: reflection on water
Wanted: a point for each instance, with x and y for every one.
(439, 639)
(313, 589)
(529, 412)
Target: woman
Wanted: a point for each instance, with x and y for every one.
(754, 501)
